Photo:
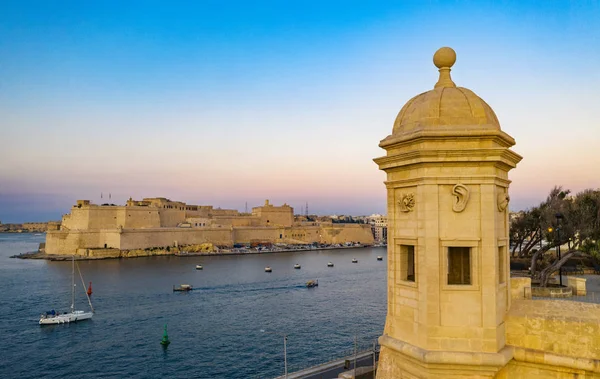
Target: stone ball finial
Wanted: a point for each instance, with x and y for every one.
(444, 57)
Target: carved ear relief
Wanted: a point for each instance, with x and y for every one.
(461, 194)
(503, 199)
(407, 202)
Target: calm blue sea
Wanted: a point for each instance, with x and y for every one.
(215, 331)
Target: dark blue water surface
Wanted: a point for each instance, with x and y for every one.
(215, 331)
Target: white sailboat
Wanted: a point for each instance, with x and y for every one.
(49, 318)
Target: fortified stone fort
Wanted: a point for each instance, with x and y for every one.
(160, 222)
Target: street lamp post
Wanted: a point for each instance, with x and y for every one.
(558, 218)
(285, 375)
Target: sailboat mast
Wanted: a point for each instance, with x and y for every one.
(73, 285)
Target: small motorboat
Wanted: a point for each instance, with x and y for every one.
(329, 264)
(312, 283)
(182, 288)
(379, 258)
(199, 267)
(354, 260)
(268, 269)
(297, 266)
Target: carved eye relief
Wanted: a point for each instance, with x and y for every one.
(461, 197)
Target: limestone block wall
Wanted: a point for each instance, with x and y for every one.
(520, 288)
(145, 238)
(236, 220)
(249, 234)
(577, 285)
(304, 233)
(342, 233)
(68, 242)
(517, 369)
(77, 219)
(139, 217)
(552, 338)
(170, 218)
(102, 217)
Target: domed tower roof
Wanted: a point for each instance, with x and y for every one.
(446, 106)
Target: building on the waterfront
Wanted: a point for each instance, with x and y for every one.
(453, 310)
(378, 227)
(28, 227)
(160, 222)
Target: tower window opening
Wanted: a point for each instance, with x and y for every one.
(459, 265)
(501, 265)
(407, 263)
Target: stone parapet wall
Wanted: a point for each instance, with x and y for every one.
(560, 327)
(520, 288)
(577, 285)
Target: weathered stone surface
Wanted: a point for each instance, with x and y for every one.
(448, 314)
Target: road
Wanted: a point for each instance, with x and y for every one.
(331, 370)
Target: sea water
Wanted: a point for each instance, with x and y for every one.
(215, 330)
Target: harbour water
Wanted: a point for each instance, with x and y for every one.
(215, 330)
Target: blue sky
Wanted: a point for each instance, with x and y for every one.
(224, 103)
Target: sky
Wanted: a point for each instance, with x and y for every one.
(225, 103)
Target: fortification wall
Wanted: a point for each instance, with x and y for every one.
(68, 242)
(170, 218)
(139, 217)
(249, 234)
(102, 217)
(341, 233)
(78, 219)
(276, 216)
(236, 220)
(307, 234)
(145, 238)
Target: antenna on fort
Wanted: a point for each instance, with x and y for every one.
(246, 211)
(306, 209)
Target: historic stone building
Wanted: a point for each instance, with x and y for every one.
(453, 311)
(98, 230)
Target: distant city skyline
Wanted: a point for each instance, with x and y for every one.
(227, 103)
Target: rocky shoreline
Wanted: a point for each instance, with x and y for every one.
(124, 254)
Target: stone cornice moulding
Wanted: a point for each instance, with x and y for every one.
(447, 180)
(505, 157)
(499, 359)
(521, 354)
(465, 132)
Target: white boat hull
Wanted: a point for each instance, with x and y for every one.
(66, 318)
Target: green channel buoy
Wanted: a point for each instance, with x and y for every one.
(165, 339)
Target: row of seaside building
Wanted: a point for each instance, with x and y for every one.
(160, 222)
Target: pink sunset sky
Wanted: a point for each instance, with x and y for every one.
(209, 106)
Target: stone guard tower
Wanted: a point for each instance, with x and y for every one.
(447, 184)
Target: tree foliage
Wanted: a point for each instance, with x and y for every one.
(572, 222)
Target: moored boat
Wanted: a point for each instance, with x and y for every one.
(52, 317)
(354, 260)
(297, 266)
(182, 288)
(268, 269)
(199, 267)
(379, 258)
(330, 264)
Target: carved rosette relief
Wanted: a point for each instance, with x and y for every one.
(461, 197)
(503, 200)
(407, 202)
